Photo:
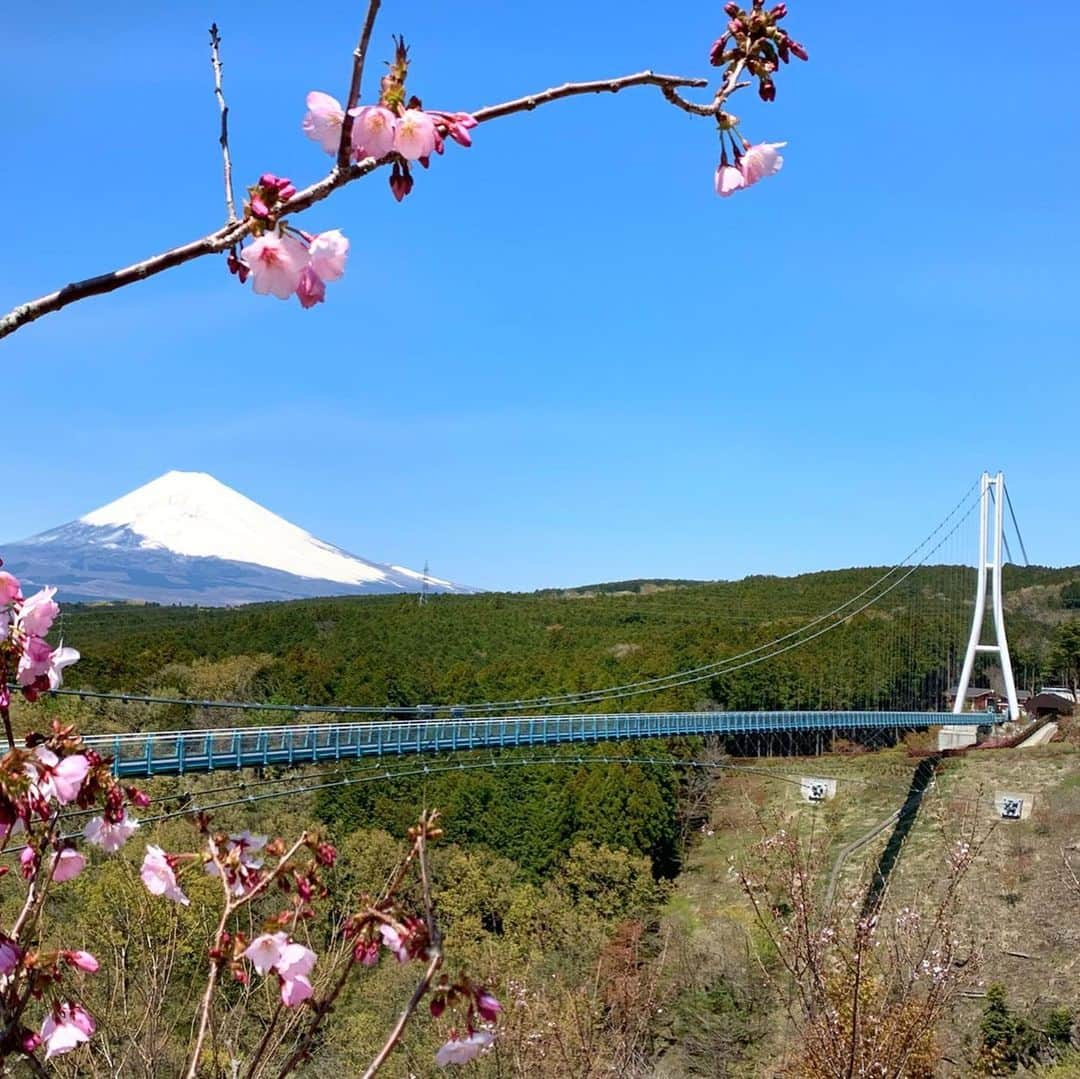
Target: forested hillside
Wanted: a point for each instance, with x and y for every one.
(901, 651)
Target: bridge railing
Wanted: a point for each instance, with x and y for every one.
(178, 752)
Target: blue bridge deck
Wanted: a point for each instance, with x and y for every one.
(180, 752)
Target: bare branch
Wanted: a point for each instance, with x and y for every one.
(231, 234)
(572, 89)
(223, 138)
(399, 1027)
(359, 56)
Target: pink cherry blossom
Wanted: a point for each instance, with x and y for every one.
(82, 960)
(322, 122)
(65, 1028)
(37, 613)
(728, 180)
(61, 657)
(10, 956)
(159, 877)
(415, 136)
(296, 961)
(462, 1050)
(294, 991)
(392, 939)
(34, 661)
(276, 263)
(5, 623)
(761, 160)
(27, 862)
(373, 131)
(327, 253)
(9, 587)
(110, 835)
(61, 780)
(310, 289)
(67, 865)
(264, 952)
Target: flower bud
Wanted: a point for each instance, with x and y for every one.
(731, 10)
(798, 50)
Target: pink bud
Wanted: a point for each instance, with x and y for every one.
(82, 960)
(487, 1006)
(438, 1006)
(311, 289)
(28, 862)
(137, 797)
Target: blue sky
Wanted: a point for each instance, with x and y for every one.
(562, 359)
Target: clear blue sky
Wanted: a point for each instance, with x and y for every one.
(562, 359)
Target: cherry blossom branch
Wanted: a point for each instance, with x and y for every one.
(435, 950)
(417, 852)
(731, 84)
(5, 714)
(231, 234)
(359, 56)
(230, 906)
(223, 139)
(407, 1013)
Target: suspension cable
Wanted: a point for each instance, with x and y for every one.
(659, 683)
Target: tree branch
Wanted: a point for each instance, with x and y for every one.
(359, 56)
(231, 234)
(223, 139)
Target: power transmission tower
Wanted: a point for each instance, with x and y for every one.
(991, 489)
(424, 586)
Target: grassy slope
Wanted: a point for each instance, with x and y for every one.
(1018, 898)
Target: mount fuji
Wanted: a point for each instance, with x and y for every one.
(186, 538)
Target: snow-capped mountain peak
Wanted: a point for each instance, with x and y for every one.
(184, 526)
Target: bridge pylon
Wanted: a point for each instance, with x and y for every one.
(991, 489)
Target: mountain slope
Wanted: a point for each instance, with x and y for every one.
(186, 538)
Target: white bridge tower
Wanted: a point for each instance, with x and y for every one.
(992, 489)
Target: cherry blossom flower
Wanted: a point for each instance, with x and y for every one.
(34, 661)
(462, 1050)
(10, 590)
(159, 877)
(61, 658)
(322, 122)
(10, 956)
(65, 1028)
(264, 952)
(327, 253)
(242, 873)
(416, 135)
(296, 961)
(393, 940)
(83, 961)
(311, 289)
(373, 131)
(294, 991)
(28, 862)
(61, 779)
(67, 865)
(761, 160)
(37, 613)
(729, 179)
(110, 835)
(275, 263)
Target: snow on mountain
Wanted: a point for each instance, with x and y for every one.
(187, 538)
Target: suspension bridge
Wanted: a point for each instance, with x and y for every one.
(346, 733)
